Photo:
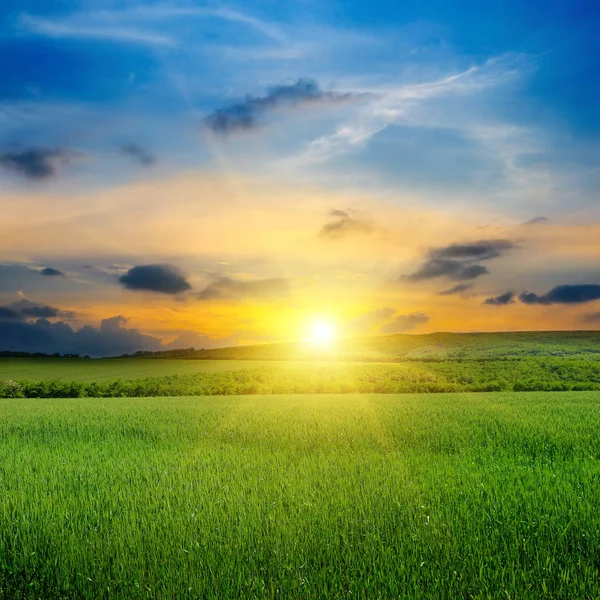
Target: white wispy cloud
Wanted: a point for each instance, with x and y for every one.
(83, 28)
(398, 104)
(142, 24)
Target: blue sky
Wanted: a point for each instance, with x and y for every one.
(470, 120)
(92, 74)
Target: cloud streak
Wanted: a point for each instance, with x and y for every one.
(83, 27)
(146, 25)
(459, 261)
(393, 105)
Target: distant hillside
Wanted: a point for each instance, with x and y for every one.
(434, 347)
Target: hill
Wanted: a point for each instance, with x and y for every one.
(406, 347)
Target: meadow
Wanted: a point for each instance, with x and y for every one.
(340, 474)
(110, 369)
(58, 378)
(420, 347)
(323, 496)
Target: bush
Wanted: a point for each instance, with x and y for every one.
(523, 375)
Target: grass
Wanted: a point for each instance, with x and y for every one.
(401, 347)
(109, 369)
(413, 496)
(82, 377)
(431, 346)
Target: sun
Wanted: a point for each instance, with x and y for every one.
(322, 332)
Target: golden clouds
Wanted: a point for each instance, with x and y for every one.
(258, 264)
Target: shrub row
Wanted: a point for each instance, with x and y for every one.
(450, 376)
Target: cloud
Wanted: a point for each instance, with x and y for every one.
(164, 279)
(457, 289)
(8, 313)
(366, 322)
(564, 294)
(451, 269)
(51, 272)
(501, 300)
(19, 334)
(482, 250)
(591, 318)
(139, 24)
(459, 261)
(84, 29)
(27, 309)
(537, 221)
(142, 155)
(394, 104)
(344, 225)
(247, 114)
(38, 163)
(110, 339)
(231, 289)
(403, 323)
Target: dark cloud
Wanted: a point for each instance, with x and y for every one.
(232, 289)
(142, 155)
(482, 250)
(501, 300)
(591, 318)
(452, 269)
(537, 221)
(403, 323)
(246, 114)
(52, 272)
(164, 279)
(110, 339)
(564, 294)
(457, 289)
(9, 313)
(26, 309)
(40, 312)
(38, 163)
(344, 225)
(460, 261)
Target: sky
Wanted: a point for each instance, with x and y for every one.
(206, 174)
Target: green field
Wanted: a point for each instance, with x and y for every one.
(109, 369)
(58, 378)
(378, 496)
(430, 346)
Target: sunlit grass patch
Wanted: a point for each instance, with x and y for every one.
(321, 496)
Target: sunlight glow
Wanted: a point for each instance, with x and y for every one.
(322, 332)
